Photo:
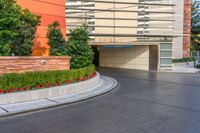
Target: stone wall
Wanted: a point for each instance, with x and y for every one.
(17, 64)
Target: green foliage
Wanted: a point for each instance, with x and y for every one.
(184, 60)
(79, 49)
(17, 29)
(32, 79)
(198, 66)
(195, 26)
(56, 40)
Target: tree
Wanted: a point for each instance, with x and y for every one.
(195, 26)
(56, 40)
(79, 49)
(17, 29)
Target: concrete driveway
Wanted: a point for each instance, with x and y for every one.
(144, 102)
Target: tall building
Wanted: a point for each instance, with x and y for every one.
(134, 34)
(182, 26)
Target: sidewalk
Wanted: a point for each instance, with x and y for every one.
(183, 68)
(107, 84)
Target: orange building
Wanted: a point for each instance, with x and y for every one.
(50, 11)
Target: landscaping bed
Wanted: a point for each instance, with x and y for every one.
(183, 60)
(17, 82)
(198, 66)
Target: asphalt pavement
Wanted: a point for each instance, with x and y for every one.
(144, 102)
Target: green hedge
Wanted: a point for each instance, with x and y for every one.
(31, 80)
(184, 60)
(198, 66)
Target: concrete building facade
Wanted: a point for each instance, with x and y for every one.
(182, 26)
(134, 34)
(178, 29)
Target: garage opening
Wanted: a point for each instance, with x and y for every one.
(128, 56)
(96, 55)
(153, 57)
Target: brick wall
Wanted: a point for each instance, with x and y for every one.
(9, 64)
(187, 28)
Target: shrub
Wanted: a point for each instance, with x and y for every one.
(184, 60)
(17, 29)
(79, 49)
(42, 79)
(56, 40)
(198, 66)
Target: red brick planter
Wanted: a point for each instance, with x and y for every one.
(19, 64)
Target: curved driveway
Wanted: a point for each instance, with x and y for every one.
(144, 102)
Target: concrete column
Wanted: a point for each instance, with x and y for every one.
(187, 28)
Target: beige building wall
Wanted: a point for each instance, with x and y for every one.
(131, 58)
(115, 23)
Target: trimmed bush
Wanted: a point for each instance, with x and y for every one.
(78, 48)
(32, 80)
(184, 60)
(56, 40)
(17, 29)
(198, 66)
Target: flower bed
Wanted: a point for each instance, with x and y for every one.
(16, 82)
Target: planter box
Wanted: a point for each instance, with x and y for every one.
(19, 64)
(39, 94)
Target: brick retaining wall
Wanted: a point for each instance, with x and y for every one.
(16, 64)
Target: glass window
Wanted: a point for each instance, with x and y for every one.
(166, 46)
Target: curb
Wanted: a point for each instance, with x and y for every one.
(112, 87)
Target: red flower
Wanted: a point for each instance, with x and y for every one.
(94, 74)
(68, 81)
(38, 86)
(58, 83)
(21, 89)
(49, 85)
(1, 91)
(10, 91)
(42, 86)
